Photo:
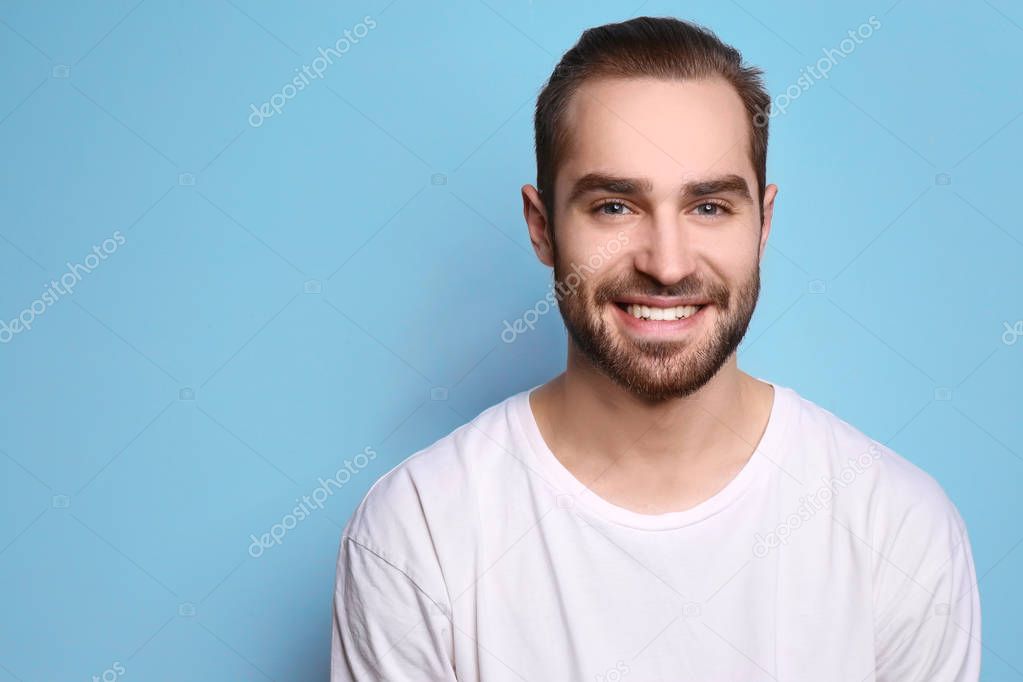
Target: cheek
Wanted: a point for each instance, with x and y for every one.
(593, 258)
(735, 253)
(736, 271)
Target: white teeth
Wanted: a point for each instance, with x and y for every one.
(647, 313)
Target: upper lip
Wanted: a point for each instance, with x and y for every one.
(661, 301)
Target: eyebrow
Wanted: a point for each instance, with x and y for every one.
(603, 182)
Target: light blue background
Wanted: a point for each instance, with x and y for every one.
(312, 284)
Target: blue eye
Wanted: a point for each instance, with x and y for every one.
(617, 204)
(711, 209)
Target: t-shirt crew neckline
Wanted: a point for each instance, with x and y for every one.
(761, 462)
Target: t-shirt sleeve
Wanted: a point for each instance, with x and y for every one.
(927, 609)
(385, 626)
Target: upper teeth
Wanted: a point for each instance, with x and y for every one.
(647, 313)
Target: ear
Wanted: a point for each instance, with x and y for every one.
(770, 192)
(536, 221)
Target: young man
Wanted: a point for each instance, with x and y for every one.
(654, 513)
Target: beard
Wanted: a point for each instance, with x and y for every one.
(657, 370)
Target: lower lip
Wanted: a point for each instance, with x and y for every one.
(659, 327)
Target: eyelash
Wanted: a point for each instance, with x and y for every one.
(723, 208)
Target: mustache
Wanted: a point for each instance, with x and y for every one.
(690, 287)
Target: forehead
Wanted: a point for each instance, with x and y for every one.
(666, 130)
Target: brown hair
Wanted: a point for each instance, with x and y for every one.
(658, 47)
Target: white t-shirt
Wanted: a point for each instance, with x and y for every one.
(481, 558)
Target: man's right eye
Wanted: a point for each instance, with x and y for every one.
(616, 205)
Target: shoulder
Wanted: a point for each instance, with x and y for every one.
(874, 487)
(900, 526)
(433, 491)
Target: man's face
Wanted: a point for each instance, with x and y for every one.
(657, 216)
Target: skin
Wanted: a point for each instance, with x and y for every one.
(654, 424)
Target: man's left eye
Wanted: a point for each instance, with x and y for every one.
(710, 209)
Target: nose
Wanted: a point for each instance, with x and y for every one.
(665, 248)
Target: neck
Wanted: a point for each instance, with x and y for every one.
(652, 456)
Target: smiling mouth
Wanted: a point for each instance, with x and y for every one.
(669, 313)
